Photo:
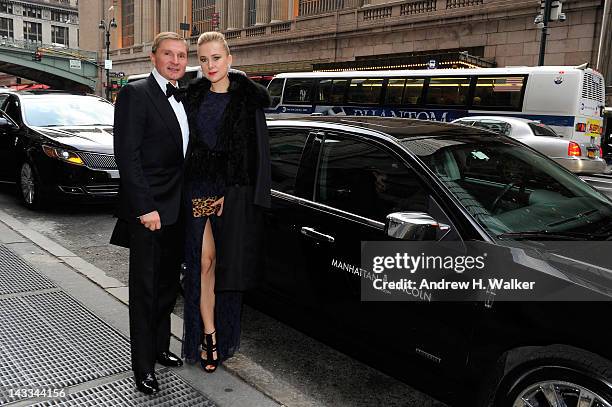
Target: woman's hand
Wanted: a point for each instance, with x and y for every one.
(219, 204)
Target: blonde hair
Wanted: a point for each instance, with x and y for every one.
(211, 36)
(167, 35)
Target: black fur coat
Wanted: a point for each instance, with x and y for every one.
(245, 168)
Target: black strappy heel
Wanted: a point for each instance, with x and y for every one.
(209, 347)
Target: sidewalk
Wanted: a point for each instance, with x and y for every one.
(65, 335)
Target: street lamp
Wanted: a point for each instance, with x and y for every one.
(106, 28)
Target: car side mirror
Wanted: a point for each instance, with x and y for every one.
(6, 124)
(413, 226)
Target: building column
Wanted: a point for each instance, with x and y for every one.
(138, 22)
(277, 13)
(148, 22)
(164, 19)
(221, 8)
(234, 14)
(262, 12)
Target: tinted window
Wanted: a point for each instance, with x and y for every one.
(366, 180)
(365, 91)
(448, 91)
(331, 91)
(286, 147)
(413, 91)
(540, 129)
(507, 187)
(501, 92)
(298, 91)
(494, 125)
(275, 89)
(395, 91)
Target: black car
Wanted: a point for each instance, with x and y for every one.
(341, 182)
(57, 145)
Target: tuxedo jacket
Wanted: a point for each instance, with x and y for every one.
(148, 148)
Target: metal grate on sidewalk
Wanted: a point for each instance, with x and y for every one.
(17, 276)
(174, 392)
(49, 340)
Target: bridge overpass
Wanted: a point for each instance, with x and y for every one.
(59, 67)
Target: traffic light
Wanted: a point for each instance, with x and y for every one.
(37, 56)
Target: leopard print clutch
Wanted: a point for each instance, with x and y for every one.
(204, 206)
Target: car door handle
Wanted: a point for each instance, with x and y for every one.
(310, 232)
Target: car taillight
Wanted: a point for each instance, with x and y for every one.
(573, 149)
(581, 127)
(600, 152)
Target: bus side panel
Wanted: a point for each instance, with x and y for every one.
(553, 94)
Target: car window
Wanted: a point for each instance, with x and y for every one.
(365, 91)
(448, 91)
(509, 188)
(540, 129)
(494, 125)
(331, 91)
(275, 89)
(298, 91)
(366, 180)
(67, 110)
(286, 146)
(2, 99)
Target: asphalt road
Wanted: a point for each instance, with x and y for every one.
(321, 375)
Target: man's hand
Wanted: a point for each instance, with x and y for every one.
(151, 221)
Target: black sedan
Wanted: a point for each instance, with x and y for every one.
(340, 184)
(57, 145)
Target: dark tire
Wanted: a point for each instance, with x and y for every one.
(565, 373)
(28, 186)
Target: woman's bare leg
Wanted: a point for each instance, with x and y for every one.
(207, 286)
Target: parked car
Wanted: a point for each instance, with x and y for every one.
(57, 145)
(579, 158)
(341, 181)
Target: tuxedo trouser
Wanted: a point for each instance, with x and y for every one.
(154, 273)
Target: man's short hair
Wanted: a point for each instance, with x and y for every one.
(167, 35)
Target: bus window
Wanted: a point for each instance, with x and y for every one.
(498, 92)
(331, 91)
(413, 91)
(395, 91)
(298, 91)
(448, 91)
(275, 89)
(365, 91)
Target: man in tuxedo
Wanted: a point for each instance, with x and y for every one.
(151, 134)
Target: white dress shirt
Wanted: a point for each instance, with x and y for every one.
(179, 109)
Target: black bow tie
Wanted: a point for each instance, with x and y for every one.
(178, 94)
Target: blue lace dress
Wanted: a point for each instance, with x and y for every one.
(228, 304)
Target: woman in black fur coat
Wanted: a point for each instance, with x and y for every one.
(227, 186)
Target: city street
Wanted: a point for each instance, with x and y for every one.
(286, 365)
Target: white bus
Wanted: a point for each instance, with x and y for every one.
(569, 99)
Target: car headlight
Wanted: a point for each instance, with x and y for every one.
(64, 155)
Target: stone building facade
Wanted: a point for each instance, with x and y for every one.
(271, 36)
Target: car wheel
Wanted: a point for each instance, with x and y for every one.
(29, 186)
(551, 378)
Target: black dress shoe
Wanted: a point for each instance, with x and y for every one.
(147, 384)
(169, 359)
